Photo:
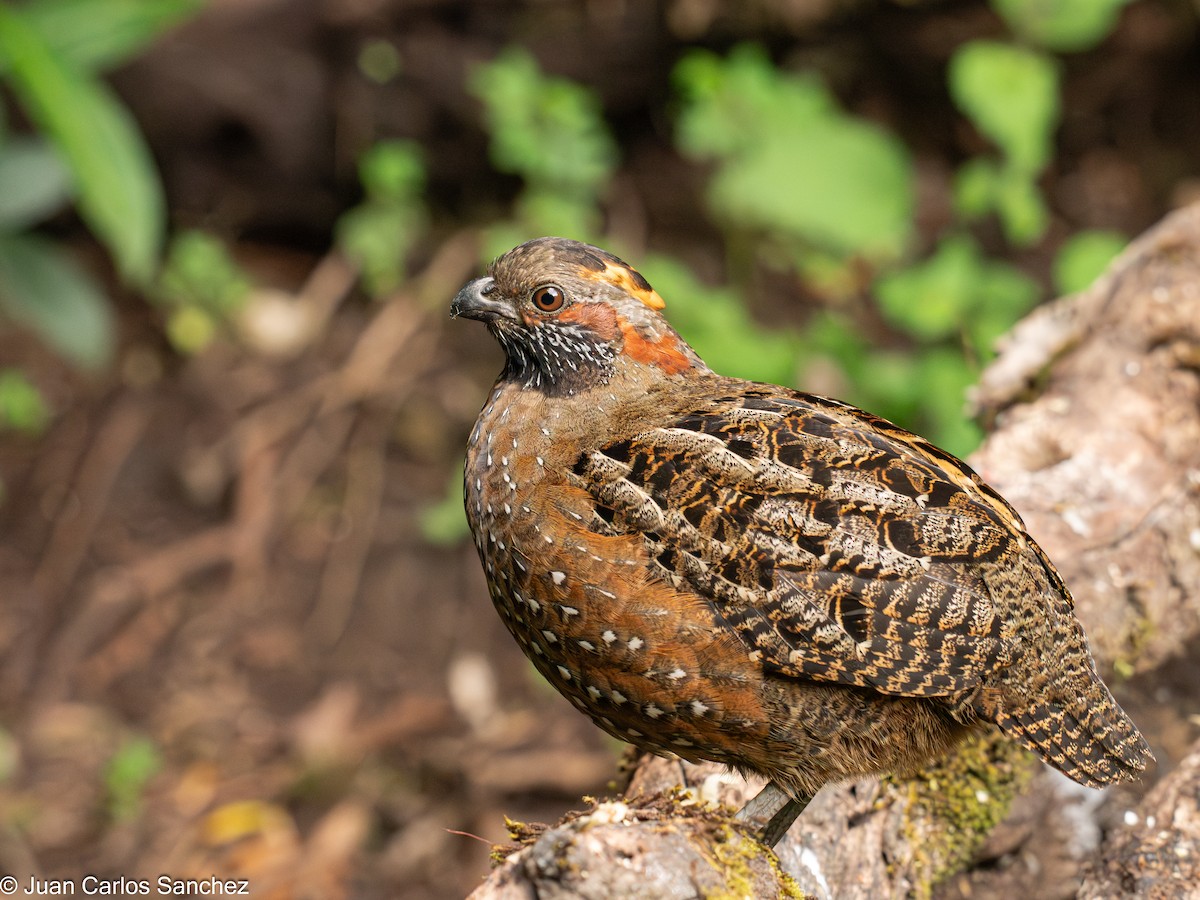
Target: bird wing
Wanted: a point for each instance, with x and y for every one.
(839, 547)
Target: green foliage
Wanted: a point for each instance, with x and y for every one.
(799, 184)
(135, 762)
(1083, 258)
(201, 286)
(939, 385)
(791, 164)
(956, 292)
(88, 152)
(981, 187)
(33, 182)
(117, 187)
(22, 408)
(1062, 25)
(1011, 94)
(200, 272)
(392, 172)
(547, 130)
(929, 299)
(380, 61)
(921, 390)
(795, 172)
(42, 288)
(98, 35)
(378, 233)
(445, 522)
(954, 305)
(551, 133)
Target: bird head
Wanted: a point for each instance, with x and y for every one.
(570, 316)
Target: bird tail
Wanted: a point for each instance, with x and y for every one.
(1080, 729)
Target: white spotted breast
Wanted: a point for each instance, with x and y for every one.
(624, 646)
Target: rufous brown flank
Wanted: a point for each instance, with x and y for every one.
(741, 572)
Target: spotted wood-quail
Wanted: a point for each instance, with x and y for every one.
(744, 573)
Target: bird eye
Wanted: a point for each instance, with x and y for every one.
(549, 298)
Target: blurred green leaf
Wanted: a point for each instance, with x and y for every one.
(551, 132)
(1084, 257)
(1012, 96)
(830, 334)
(930, 299)
(119, 194)
(885, 383)
(392, 171)
(190, 329)
(136, 761)
(1022, 211)
(1003, 294)
(202, 285)
(378, 233)
(942, 377)
(956, 291)
(543, 128)
(43, 289)
(732, 104)
(981, 186)
(34, 184)
(822, 271)
(791, 163)
(975, 186)
(1062, 25)
(375, 236)
(840, 184)
(97, 35)
(22, 407)
(380, 61)
(445, 522)
(199, 272)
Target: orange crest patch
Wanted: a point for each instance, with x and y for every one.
(632, 283)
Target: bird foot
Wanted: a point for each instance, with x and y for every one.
(772, 811)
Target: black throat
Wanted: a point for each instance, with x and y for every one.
(558, 360)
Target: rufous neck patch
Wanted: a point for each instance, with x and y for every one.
(666, 353)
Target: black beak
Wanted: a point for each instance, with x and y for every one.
(474, 302)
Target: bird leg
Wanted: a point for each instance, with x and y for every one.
(773, 810)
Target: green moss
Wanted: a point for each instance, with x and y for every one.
(735, 856)
(955, 804)
(521, 835)
(1138, 637)
(741, 863)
